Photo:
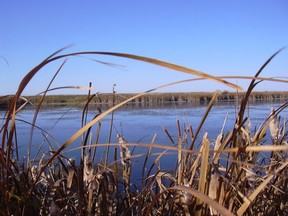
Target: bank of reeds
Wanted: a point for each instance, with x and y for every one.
(153, 99)
(244, 172)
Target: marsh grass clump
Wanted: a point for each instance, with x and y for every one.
(242, 172)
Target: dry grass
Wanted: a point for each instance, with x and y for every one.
(233, 177)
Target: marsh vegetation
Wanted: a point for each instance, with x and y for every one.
(153, 99)
(242, 172)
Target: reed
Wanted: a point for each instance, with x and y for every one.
(231, 176)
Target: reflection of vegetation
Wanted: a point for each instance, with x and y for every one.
(245, 173)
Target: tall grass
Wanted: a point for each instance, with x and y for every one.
(226, 177)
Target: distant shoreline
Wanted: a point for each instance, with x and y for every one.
(153, 98)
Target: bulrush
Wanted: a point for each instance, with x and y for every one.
(89, 177)
(274, 126)
(124, 152)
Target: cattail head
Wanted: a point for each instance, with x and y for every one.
(34, 172)
(274, 125)
(217, 145)
(121, 139)
(124, 151)
(88, 176)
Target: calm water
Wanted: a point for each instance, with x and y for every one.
(137, 124)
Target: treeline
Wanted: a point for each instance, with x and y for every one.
(151, 98)
(162, 98)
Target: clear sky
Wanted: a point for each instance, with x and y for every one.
(217, 37)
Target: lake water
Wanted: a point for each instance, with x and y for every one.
(137, 124)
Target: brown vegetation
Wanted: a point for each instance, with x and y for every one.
(154, 98)
(230, 176)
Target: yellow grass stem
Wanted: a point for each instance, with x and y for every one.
(262, 148)
(219, 150)
(147, 156)
(201, 196)
(179, 161)
(203, 173)
(235, 77)
(194, 167)
(159, 146)
(155, 62)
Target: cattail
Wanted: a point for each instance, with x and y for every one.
(109, 186)
(89, 177)
(71, 171)
(126, 162)
(213, 190)
(274, 125)
(124, 152)
(217, 145)
(34, 172)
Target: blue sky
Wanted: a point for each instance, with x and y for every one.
(216, 37)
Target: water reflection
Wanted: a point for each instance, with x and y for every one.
(137, 123)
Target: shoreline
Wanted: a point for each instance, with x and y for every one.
(152, 98)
